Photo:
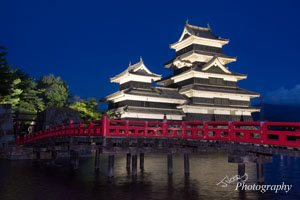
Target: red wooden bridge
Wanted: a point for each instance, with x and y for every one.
(244, 141)
(268, 133)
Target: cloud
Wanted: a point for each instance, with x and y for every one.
(284, 96)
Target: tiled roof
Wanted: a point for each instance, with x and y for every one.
(202, 32)
(133, 70)
(155, 92)
(216, 89)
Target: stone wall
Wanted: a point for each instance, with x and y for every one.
(52, 117)
(6, 126)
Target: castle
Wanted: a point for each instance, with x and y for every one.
(201, 87)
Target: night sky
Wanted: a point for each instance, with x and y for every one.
(88, 42)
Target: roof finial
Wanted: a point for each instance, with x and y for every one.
(129, 63)
(208, 26)
(187, 21)
(141, 59)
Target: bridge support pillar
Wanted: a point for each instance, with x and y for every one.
(128, 161)
(241, 170)
(111, 164)
(38, 155)
(97, 160)
(142, 161)
(186, 164)
(260, 173)
(53, 157)
(134, 164)
(75, 159)
(244, 157)
(170, 163)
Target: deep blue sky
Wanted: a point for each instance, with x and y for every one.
(88, 42)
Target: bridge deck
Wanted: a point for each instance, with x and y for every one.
(244, 141)
(268, 133)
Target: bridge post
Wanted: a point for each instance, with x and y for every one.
(53, 157)
(104, 125)
(76, 160)
(134, 164)
(111, 163)
(71, 158)
(242, 157)
(128, 161)
(97, 159)
(241, 170)
(38, 155)
(260, 173)
(170, 163)
(142, 161)
(186, 164)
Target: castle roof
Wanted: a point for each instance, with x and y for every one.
(217, 89)
(202, 32)
(136, 69)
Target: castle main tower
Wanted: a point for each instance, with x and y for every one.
(201, 76)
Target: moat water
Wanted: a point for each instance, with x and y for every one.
(28, 180)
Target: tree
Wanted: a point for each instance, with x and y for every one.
(88, 109)
(113, 115)
(30, 99)
(55, 92)
(9, 82)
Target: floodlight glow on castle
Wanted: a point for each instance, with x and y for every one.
(201, 88)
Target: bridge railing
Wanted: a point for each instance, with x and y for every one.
(174, 129)
(216, 131)
(281, 133)
(271, 133)
(194, 130)
(136, 128)
(155, 129)
(116, 128)
(249, 132)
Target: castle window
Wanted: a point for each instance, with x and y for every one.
(216, 81)
(221, 101)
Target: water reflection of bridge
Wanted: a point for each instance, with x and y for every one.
(244, 141)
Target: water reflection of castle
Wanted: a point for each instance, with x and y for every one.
(201, 87)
